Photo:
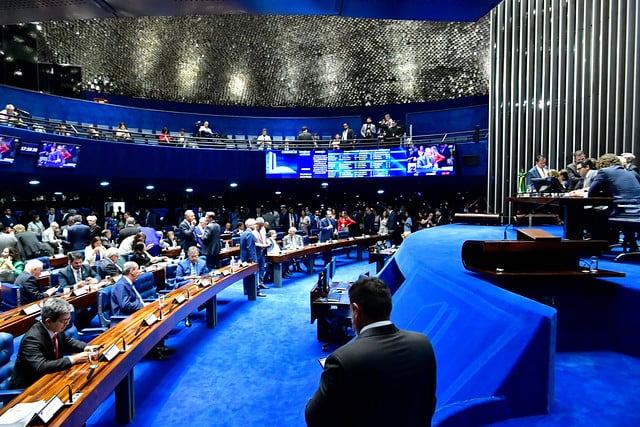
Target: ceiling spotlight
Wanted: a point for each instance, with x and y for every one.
(233, 185)
(189, 190)
(150, 187)
(104, 183)
(34, 182)
(324, 184)
(57, 193)
(380, 191)
(278, 193)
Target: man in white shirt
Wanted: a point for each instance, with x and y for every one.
(264, 140)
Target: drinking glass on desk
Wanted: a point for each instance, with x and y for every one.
(93, 358)
(161, 301)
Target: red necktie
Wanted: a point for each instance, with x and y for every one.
(55, 345)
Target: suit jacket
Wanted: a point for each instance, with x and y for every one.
(184, 269)
(185, 232)
(386, 377)
(124, 299)
(351, 135)
(248, 247)
(325, 233)
(616, 182)
(109, 268)
(28, 245)
(30, 288)
(534, 173)
(67, 279)
(211, 239)
(36, 356)
(78, 236)
(126, 232)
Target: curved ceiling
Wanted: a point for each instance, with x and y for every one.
(13, 12)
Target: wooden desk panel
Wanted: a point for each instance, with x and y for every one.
(117, 374)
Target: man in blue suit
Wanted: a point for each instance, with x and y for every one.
(539, 170)
(191, 267)
(125, 299)
(327, 228)
(78, 234)
(248, 250)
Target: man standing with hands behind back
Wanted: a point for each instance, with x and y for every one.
(43, 347)
(386, 377)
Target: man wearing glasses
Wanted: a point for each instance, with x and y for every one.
(45, 347)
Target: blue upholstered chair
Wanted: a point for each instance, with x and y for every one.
(146, 286)
(11, 296)
(104, 316)
(235, 241)
(6, 367)
(45, 262)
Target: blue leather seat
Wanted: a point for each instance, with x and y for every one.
(146, 286)
(45, 262)
(104, 316)
(235, 241)
(6, 367)
(11, 296)
(170, 276)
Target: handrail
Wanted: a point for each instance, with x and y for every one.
(73, 129)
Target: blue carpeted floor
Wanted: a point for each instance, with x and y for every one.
(259, 366)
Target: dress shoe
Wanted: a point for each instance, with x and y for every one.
(156, 354)
(166, 350)
(260, 294)
(262, 286)
(187, 322)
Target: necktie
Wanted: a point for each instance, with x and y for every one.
(78, 276)
(138, 294)
(543, 172)
(193, 269)
(55, 345)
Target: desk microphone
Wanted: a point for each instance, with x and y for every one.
(144, 321)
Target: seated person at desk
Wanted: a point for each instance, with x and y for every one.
(292, 242)
(28, 281)
(383, 364)
(76, 274)
(125, 298)
(95, 251)
(110, 265)
(10, 265)
(191, 267)
(43, 347)
(142, 257)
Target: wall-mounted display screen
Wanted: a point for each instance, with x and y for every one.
(8, 147)
(380, 162)
(56, 155)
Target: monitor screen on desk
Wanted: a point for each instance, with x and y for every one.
(549, 184)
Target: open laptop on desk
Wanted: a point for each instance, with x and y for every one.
(548, 185)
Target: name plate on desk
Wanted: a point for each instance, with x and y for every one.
(110, 353)
(179, 299)
(150, 319)
(80, 291)
(50, 409)
(226, 272)
(31, 309)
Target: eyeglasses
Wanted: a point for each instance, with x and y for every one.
(65, 320)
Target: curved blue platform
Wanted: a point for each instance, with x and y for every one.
(495, 349)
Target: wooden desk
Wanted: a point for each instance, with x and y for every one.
(58, 261)
(310, 250)
(332, 316)
(117, 375)
(573, 210)
(544, 256)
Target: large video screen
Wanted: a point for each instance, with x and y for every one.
(8, 147)
(380, 162)
(56, 155)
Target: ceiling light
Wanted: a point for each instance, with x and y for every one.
(34, 182)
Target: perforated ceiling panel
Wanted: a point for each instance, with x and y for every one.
(274, 60)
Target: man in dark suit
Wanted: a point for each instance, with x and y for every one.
(539, 170)
(186, 229)
(50, 216)
(130, 228)
(385, 377)
(110, 265)
(43, 347)
(211, 241)
(348, 135)
(28, 281)
(191, 267)
(78, 234)
(76, 273)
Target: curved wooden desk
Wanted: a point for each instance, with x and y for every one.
(117, 375)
